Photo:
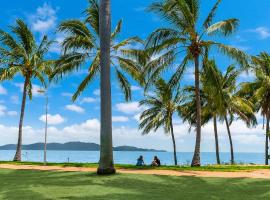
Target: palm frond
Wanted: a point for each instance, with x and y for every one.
(117, 30)
(211, 15)
(225, 27)
(124, 84)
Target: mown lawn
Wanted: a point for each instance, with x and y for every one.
(41, 185)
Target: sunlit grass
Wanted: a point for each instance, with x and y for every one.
(41, 185)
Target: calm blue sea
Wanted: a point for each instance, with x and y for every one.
(122, 157)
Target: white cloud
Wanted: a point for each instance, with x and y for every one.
(119, 119)
(52, 119)
(75, 108)
(262, 31)
(87, 131)
(246, 77)
(244, 139)
(129, 108)
(3, 90)
(135, 88)
(4, 111)
(12, 113)
(88, 100)
(97, 92)
(56, 46)
(44, 19)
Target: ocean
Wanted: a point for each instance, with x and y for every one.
(127, 157)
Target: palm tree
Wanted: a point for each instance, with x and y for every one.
(162, 106)
(106, 165)
(20, 54)
(258, 91)
(87, 41)
(82, 45)
(210, 104)
(186, 37)
(234, 104)
(219, 100)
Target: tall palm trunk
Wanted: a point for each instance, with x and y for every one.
(18, 154)
(106, 165)
(216, 140)
(266, 139)
(196, 157)
(174, 145)
(230, 138)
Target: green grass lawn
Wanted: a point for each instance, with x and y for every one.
(41, 185)
(227, 168)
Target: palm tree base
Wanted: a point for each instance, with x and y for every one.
(107, 171)
(195, 164)
(17, 158)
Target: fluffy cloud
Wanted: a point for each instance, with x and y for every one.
(244, 139)
(4, 111)
(12, 113)
(135, 88)
(119, 119)
(56, 47)
(44, 19)
(129, 108)
(75, 108)
(52, 119)
(97, 92)
(88, 100)
(263, 32)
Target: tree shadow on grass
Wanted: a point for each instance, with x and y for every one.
(41, 185)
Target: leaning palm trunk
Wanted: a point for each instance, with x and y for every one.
(230, 138)
(266, 140)
(18, 154)
(196, 157)
(174, 145)
(106, 165)
(216, 140)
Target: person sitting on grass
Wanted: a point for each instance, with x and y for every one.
(156, 162)
(140, 161)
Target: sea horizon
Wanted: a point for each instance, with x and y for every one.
(130, 157)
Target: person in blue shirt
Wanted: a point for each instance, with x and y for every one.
(140, 161)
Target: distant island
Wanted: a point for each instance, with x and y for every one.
(73, 146)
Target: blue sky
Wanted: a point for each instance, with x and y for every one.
(79, 121)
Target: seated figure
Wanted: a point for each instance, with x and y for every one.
(156, 162)
(140, 161)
